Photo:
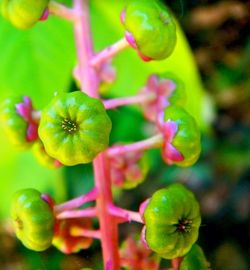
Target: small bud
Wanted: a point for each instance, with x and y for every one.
(133, 253)
(168, 90)
(65, 241)
(129, 170)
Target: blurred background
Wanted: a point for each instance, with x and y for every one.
(218, 33)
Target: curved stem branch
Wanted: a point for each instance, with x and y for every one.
(108, 53)
(77, 202)
(138, 99)
(88, 212)
(75, 231)
(125, 214)
(153, 142)
(176, 263)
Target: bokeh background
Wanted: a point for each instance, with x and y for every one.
(40, 61)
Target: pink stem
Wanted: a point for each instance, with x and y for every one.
(153, 142)
(176, 263)
(138, 99)
(86, 233)
(77, 202)
(89, 84)
(108, 53)
(125, 214)
(88, 212)
(62, 11)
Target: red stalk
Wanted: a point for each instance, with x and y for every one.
(89, 84)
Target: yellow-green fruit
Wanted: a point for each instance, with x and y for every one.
(74, 128)
(152, 27)
(23, 13)
(172, 220)
(187, 138)
(33, 219)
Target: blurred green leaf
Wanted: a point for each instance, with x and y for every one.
(36, 62)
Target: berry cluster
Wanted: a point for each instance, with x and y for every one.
(75, 128)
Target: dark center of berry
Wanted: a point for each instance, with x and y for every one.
(69, 126)
(164, 18)
(184, 225)
(19, 223)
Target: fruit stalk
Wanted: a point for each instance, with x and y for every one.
(89, 84)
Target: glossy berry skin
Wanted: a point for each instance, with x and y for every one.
(195, 260)
(150, 28)
(172, 220)
(74, 128)
(15, 125)
(187, 138)
(23, 14)
(33, 219)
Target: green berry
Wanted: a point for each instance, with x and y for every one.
(178, 94)
(20, 129)
(151, 26)
(74, 128)
(195, 260)
(187, 137)
(172, 220)
(43, 158)
(33, 219)
(23, 14)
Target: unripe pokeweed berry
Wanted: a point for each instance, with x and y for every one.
(172, 220)
(168, 88)
(43, 158)
(23, 14)
(74, 128)
(150, 29)
(17, 122)
(33, 219)
(64, 239)
(195, 260)
(186, 140)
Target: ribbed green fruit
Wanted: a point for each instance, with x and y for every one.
(33, 219)
(172, 220)
(74, 128)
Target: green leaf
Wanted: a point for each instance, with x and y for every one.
(36, 62)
